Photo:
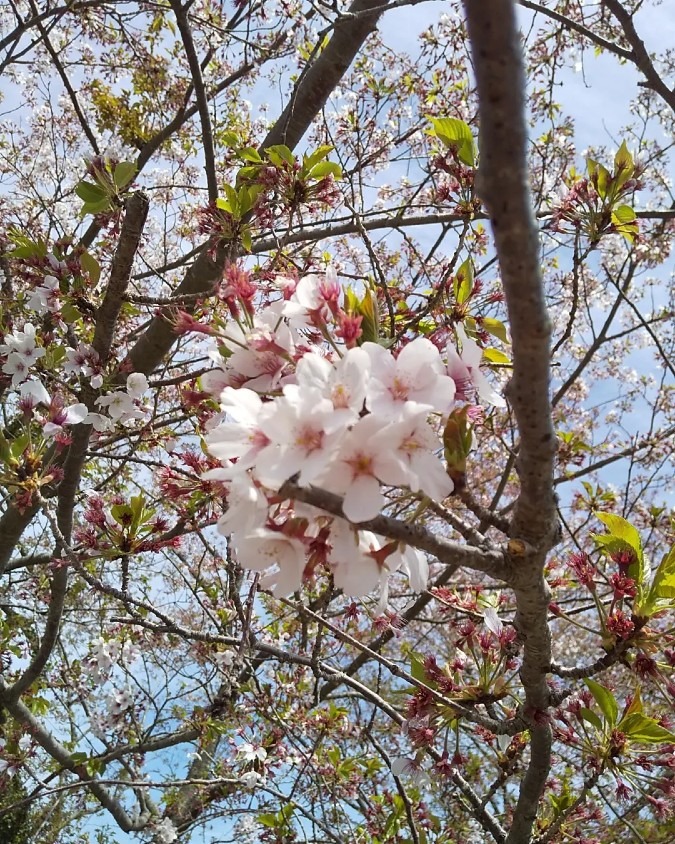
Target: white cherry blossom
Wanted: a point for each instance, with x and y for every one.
(120, 406)
(414, 442)
(344, 382)
(355, 570)
(306, 430)
(415, 375)
(465, 372)
(283, 558)
(35, 391)
(359, 467)
(45, 297)
(248, 752)
(137, 385)
(74, 414)
(165, 831)
(23, 342)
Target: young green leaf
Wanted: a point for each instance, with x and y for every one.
(624, 166)
(605, 700)
(89, 192)
(496, 328)
(326, 168)
(91, 266)
(643, 730)
(124, 174)
(624, 221)
(622, 535)
(495, 356)
(456, 135)
(591, 717)
(463, 283)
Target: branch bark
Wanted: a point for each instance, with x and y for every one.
(503, 185)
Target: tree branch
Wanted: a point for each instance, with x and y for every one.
(639, 54)
(200, 96)
(503, 185)
(490, 559)
(58, 752)
(309, 96)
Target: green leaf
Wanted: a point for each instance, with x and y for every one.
(622, 535)
(624, 221)
(663, 584)
(624, 167)
(463, 283)
(496, 328)
(268, 819)
(137, 507)
(326, 168)
(70, 313)
(370, 324)
(635, 706)
(319, 154)
(250, 154)
(456, 135)
(417, 667)
(661, 594)
(96, 207)
(495, 356)
(124, 174)
(19, 445)
(232, 196)
(643, 730)
(90, 192)
(279, 155)
(24, 247)
(4, 448)
(605, 700)
(91, 266)
(600, 176)
(591, 717)
(122, 514)
(230, 139)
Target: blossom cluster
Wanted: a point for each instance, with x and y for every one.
(22, 352)
(352, 420)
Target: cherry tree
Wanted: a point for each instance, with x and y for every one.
(337, 423)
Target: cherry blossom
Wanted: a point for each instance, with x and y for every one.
(246, 502)
(59, 416)
(120, 406)
(248, 752)
(165, 831)
(23, 342)
(356, 570)
(23, 352)
(413, 441)
(35, 392)
(45, 298)
(18, 367)
(243, 439)
(282, 557)
(464, 370)
(306, 430)
(344, 382)
(415, 375)
(137, 385)
(83, 360)
(362, 462)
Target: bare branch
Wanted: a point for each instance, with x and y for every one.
(639, 54)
